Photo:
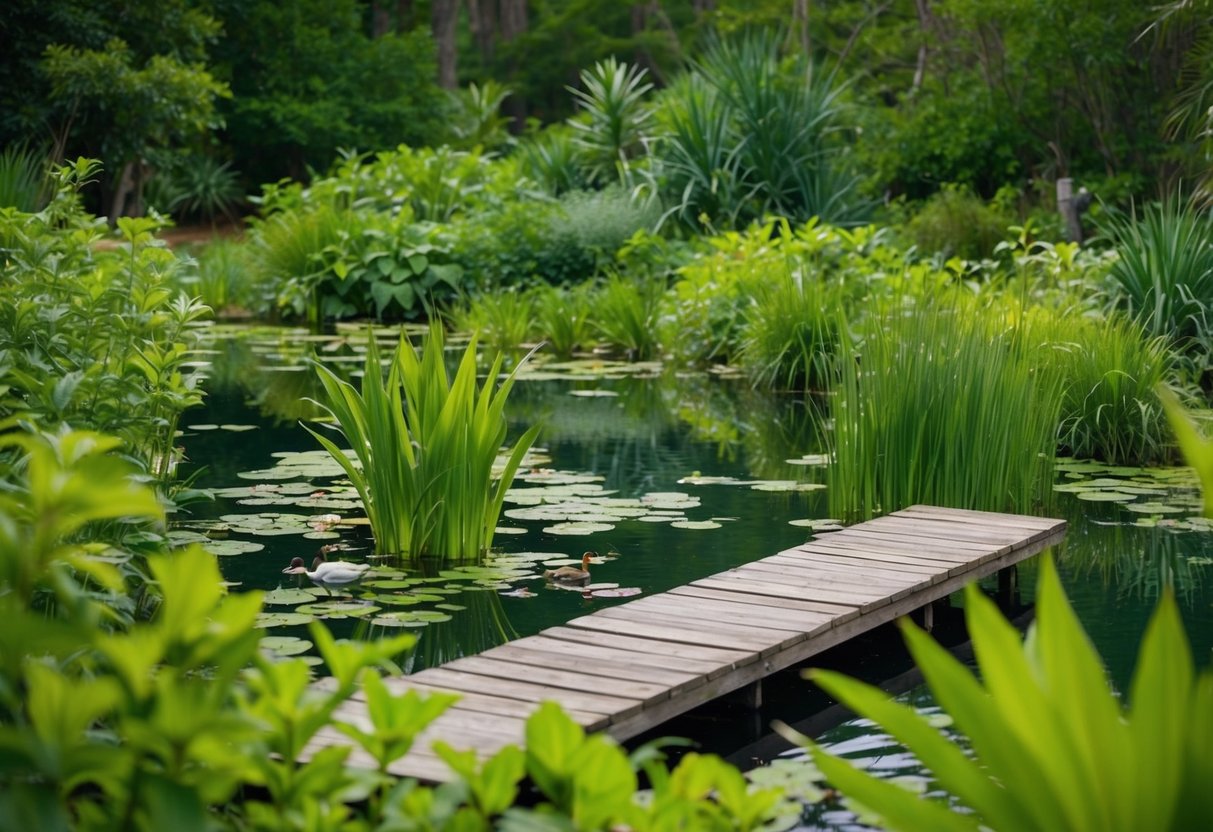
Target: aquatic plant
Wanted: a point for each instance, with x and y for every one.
(1110, 370)
(562, 317)
(1164, 275)
(625, 312)
(941, 404)
(790, 333)
(1043, 721)
(425, 447)
(502, 320)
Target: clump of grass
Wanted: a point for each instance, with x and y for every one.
(1110, 370)
(562, 317)
(425, 447)
(503, 320)
(24, 183)
(957, 222)
(791, 330)
(941, 405)
(626, 313)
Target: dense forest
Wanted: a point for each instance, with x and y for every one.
(206, 96)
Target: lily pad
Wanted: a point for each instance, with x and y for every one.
(226, 548)
(282, 619)
(695, 524)
(285, 645)
(622, 592)
(578, 529)
(332, 609)
(288, 597)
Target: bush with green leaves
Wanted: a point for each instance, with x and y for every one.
(95, 337)
(1053, 746)
(955, 222)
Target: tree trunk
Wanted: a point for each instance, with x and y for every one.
(800, 26)
(512, 24)
(381, 19)
(925, 24)
(405, 16)
(444, 15)
(482, 17)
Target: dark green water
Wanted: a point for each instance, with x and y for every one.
(643, 440)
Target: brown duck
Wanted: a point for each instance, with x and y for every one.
(571, 574)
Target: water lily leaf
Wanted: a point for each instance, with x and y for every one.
(393, 583)
(237, 428)
(285, 596)
(203, 427)
(622, 592)
(450, 607)
(282, 619)
(331, 609)
(592, 394)
(1154, 508)
(695, 524)
(810, 459)
(787, 485)
(520, 592)
(398, 619)
(821, 525)
(285, 645)
(509, 530)
(578, 529)
(1097, 496)
(226, 548)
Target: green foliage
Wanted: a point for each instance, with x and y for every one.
(426, 449)
(562, 317)
(790, 335)
(757, 136)
(550, 158)
(1164, 275)
(198, 187)
(308, 80)
(1110, 371)
(502, 320)
(226, 278)
(23, 179)
(614, 119)
(626, 314)
(1043, 721)
(477, 121)
(956, 223)
(1196, 449)
(94, 338)
(920, 414)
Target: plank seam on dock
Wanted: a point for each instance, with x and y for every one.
(653, 658)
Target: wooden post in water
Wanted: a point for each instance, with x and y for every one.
(1008, 586)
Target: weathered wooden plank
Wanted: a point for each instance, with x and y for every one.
(474, 701)
(500, 669)
(658, 631)
(529, 692)
(952, 530)
(620, 665)
(641, 661)
(845, 587)
(912, 542)
(833, 573)
(944, 566)
(982, 518)
(867, 571)
(724, 659)
(755, 638)
(707, 609)
(728, 581)
(834, 611)
(862, 562)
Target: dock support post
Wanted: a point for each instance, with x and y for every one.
(751, 695)
(928, 617)
(1008, 585)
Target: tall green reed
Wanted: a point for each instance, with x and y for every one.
(626, 314)
(562, 317)
(791, 331)
(942, 405)
(425, 448)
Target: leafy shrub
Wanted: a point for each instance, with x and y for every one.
(956, 223)
(226, 278)
(1042, 720)
(626, 314)
(502, 320)
(562, 317)
(95, 338)
(550, 159)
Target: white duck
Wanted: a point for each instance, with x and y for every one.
(336, 573)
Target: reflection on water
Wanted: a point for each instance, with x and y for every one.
(642, 435)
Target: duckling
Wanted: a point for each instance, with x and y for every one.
(571, 574)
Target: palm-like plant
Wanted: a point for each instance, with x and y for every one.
(614, 119)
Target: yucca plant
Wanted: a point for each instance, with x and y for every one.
(614, 118)
(1053, 746)
(550, 158)
(425, 447)
(941, 405)
(1164, 274)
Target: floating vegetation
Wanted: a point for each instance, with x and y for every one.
(757, 485)
(1148, 493)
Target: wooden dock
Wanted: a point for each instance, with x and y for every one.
(628, 668)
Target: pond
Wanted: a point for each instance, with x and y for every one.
(668, 478)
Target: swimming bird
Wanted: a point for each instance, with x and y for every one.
(571, 574)
(336, 573)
